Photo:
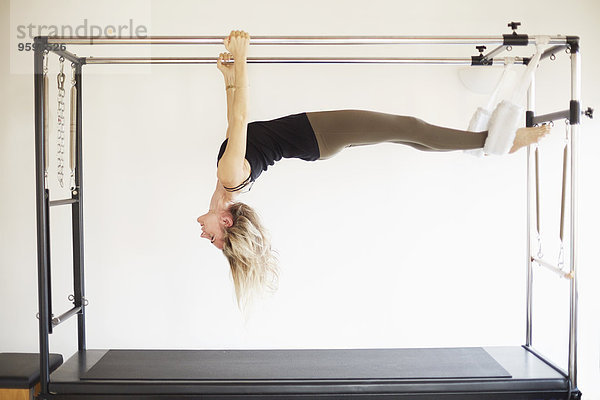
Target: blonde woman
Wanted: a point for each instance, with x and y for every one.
(250, 148)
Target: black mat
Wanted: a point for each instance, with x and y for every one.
(223, 365)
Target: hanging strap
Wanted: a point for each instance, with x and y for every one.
(537, 201)
(509, 62)
(564, 183)
(523, 86)
(561, 254)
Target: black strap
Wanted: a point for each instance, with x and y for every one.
(238, 187)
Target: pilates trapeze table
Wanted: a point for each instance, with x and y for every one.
(493, 373)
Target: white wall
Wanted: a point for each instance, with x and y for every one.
(380, 247)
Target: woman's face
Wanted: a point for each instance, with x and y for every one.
(213, 225)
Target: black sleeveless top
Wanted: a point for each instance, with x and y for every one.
(269, 141)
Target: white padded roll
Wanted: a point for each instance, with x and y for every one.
(502, 128)
(479, 121)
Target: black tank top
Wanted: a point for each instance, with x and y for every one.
(269, 141)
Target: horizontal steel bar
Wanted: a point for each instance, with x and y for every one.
(295, 40)
(68, 55)
(285, 60)
(59, 320)
(62, 202)
(555, 269)
(551, 117)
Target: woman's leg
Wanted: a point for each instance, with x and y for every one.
(338, 129)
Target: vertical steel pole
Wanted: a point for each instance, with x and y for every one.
(575, 127)
(529, 290)
(42, 203)
(77, 220)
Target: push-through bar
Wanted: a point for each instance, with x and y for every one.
(553, 268)
(296, 40)
(63, 202)
(59, 320)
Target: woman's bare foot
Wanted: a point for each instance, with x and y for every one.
(527, 136)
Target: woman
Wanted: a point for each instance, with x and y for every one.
(249, 149)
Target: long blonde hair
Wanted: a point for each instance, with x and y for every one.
(248, 249)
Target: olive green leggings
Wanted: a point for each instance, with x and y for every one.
(336, 130)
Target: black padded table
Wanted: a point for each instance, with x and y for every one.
(22, 370)
(431, 373)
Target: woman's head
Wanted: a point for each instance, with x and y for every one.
(247, 247)
(213, 224)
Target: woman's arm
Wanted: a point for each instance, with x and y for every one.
(233, 169)
(224, 65)
(230, 97)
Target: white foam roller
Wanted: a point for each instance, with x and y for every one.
(502, 129)
(480, 119)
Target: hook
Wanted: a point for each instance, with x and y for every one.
(73, 81)
(61, 75)
(540, 254)
(561, 257)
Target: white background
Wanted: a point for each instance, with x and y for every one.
(383, 246)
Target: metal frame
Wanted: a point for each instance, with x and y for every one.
(289, 60)
(43, 203)
(301, 40)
